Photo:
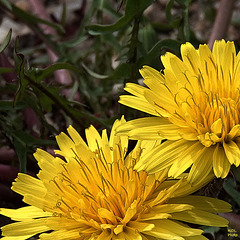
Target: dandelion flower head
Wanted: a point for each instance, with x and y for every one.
(92, 192)
(195, 103)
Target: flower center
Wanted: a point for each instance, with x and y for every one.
(212, 115)
(225, 109)
(108, 195)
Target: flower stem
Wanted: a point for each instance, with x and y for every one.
(76, 116)
(133, 45)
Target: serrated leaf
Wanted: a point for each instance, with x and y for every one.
(93, 74)
(31, 141)
(133, 8)
(6, 41)
(43, 73)
(22, 83)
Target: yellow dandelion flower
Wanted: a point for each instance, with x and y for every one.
(195, 103)
(92, 192)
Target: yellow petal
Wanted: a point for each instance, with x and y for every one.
(93, 138)
(151, 73)
(177, 228)
(203, 203)
(232, 152)
(141, 226)
(60, 235)
(26, 184)
(131, 211)
(201, 217)
(75, 136)
(199, 237)
(221, 165)
(104, 213)
(24, 213)
(65, 144)
(190, 57)
(128, 234)
(217, 127)
(163, 156)
(17, 237)
(202, 165)
(138, 103)
(185, 160)
(234, 132)
(27, 227)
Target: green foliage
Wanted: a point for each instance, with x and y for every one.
(134, 8)
(6, 41)
(95, 54)
(115, 51)
(230, 187)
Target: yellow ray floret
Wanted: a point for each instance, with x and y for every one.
(195, 101)
(93, 192)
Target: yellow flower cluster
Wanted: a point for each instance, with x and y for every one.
(195, 103)
(99, 190)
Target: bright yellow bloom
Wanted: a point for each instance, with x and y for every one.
(92, 192)
(196, 106)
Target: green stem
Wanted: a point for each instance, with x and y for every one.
(75, 116)
(133, 46)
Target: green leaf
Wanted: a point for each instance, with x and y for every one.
(73, 42)
(121, 72)
(93, 74)
(64, 14)
(19, 145)
(168, 10)
(133, 8)
(22, 83)
(184, 2)
(8, 106)
(168, 44)
(6, 41)
(21, 151)
(229, 186)
(236, 172)
(31, 19)
(147, 36)
(31, 141)
(111, 40)
(6, 70)
(45, 102)
(6, 3)
(43, 73)
(186, 27)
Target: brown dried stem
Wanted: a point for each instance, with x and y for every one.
(222, 21)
